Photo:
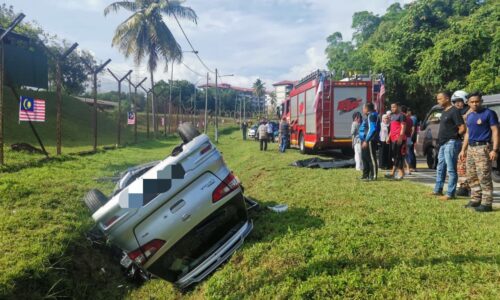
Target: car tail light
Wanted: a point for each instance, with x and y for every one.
(110, 221)
(228, 185)
(206, 149)
(142, 254)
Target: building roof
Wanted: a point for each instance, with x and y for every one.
(285, 82)
(228, 87)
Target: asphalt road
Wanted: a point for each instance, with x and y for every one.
(428, 177)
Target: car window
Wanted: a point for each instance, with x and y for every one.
(495, 108)
(434, 116)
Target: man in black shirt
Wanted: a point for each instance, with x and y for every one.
(451, 127)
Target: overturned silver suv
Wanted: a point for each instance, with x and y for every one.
(179, 218)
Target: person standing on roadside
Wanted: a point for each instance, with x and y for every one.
(368, 135)
(480, 149)
(408, 133)
(283, 134)
(270, 132)
(459, 100)
(385, 161)
(411, 159)
(451, 127)
(397, 137)
(244, 127)
(356, 142)
(262, 130)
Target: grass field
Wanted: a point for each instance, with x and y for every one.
(340, 238)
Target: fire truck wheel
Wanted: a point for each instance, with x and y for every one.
(348, 151)
(302, 144)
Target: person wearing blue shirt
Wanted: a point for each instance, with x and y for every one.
(368, 135)
(480, 148)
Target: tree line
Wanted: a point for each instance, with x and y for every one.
(423, 47)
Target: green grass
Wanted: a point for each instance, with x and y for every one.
(340, 238)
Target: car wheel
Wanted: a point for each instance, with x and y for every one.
(495, 174)
(432, 158)
(187, 132)
(94, 200)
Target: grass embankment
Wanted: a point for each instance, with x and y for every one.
(340, 237)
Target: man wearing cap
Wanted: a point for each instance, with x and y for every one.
(459, 100)
(480, 148)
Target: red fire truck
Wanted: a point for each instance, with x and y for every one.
(320, 111)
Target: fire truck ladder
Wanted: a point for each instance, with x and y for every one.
(326, 116)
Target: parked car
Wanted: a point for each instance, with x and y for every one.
(427, 145)
(177, 219)
(252, 132)
(276, 131)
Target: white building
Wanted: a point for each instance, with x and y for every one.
(282, 89)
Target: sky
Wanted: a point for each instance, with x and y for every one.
(272, 40)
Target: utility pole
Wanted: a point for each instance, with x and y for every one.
(147, 108)
(170, 97)
(119, 80)
(134, 104)
(11, 27)
(59, 60)
(216, 107)
(206, 105)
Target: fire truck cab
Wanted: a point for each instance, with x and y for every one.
(320, 111)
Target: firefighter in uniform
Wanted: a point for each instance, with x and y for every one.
(480, 148)
(368, 135)
(459, 100)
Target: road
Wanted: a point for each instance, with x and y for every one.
(428, 177)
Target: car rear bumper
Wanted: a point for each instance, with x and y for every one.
(217, 258)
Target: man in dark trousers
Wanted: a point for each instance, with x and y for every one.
(283, 134)
(244, 127)
(368, 135)
(480, 148)
(451, 127)
(397, 137)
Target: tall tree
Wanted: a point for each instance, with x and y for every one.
(364, 24)
(145, 34)
(259, 89)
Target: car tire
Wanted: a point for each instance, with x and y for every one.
(431, 157)
(94, 200)
(187, 132)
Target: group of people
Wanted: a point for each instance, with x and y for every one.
(393, 134)
(467, 141)
(265, 133)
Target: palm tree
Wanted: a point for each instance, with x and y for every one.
(145, 34)
(259, 90)
(274, 101)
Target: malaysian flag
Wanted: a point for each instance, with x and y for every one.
(319, 93)
(131, 118)
(31, 109)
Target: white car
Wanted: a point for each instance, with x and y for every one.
(252, 132)
(177, 219)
